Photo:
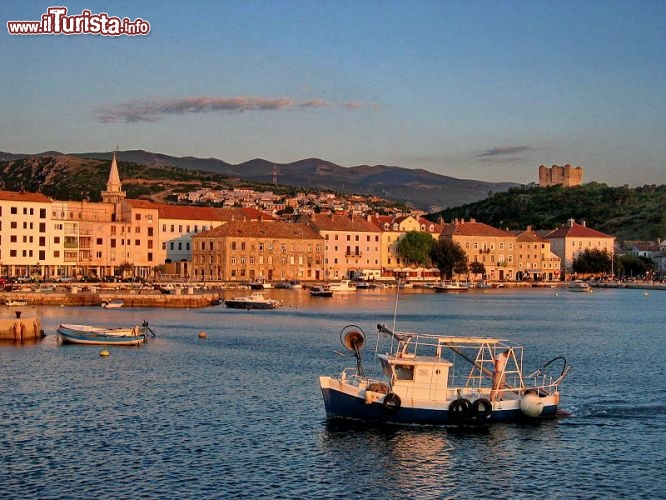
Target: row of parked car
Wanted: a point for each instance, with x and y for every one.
(10, 280)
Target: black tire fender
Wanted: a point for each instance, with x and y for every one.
(482, 409)
(391, 402)
(460, 409)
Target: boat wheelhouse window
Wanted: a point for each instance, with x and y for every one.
(404, 372)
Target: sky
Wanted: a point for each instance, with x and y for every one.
(485, 90)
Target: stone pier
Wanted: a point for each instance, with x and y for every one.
(21, 327)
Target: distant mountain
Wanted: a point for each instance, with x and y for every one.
(415, 187)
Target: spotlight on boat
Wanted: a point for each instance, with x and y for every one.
(352, 337)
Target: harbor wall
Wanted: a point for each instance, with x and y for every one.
(20, 329)
(96, 299)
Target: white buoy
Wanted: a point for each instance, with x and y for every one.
(531, 404)
(104, 352)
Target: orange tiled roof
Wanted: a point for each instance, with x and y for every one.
(256, 229)
(473, 228)
(330, 222)
(381, 220)
(575, 230)
(23, 196)
(186, 212)
(530, 236)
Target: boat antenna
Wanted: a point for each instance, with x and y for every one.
(399, 276)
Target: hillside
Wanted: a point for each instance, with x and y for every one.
(65, 177)
(417, 188)
(626, 213)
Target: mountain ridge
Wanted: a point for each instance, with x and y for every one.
(418, 188)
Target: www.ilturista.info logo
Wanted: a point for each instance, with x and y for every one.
(56, 22)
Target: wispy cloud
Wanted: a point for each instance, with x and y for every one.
(505, 151)
(153, 109)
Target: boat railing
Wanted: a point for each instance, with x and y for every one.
(350, 376)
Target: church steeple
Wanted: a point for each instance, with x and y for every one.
(114, 189)
(113, 185)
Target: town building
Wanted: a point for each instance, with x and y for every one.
(565, 175)
(255, 250)
(393, 229)
(352, 244)
(28, 239)
(534, 258)
(572, 239)
(493, 248)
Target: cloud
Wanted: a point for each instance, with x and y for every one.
(505, 151)
(153, 109)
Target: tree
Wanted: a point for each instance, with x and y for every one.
(414, 248)
(592, 261)
(630, 265)
(448, 256)
(477, 268)
(124, 268)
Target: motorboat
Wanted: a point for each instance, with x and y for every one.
(256, 300)
(438, 379)
(16, 302)
(579, 286)
(94, 335)
(112, 304)
(343, 286)
(321, 291)
(260, 284)
(450, 286)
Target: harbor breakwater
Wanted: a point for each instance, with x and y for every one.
(95, 299)
(20, 328)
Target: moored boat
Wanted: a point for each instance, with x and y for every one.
(260, 284)
(254, 301)
(450, 286)
(441, 380)
(16, 302)
(94, 335)
(113, 304)
(343, 286)
(579, 286)
(321, 291)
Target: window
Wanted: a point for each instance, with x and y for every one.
(404, 372)
(137, 217)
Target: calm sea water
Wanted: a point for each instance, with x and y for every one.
(240, 413)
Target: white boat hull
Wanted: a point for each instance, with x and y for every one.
(347, 401)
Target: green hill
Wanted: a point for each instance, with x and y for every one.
(624, 212)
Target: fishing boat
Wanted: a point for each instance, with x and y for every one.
(112, 304)
(254, 301)
(441, 380)
(94, 335)
(450, 286)
(579, 286)
(321, 291)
